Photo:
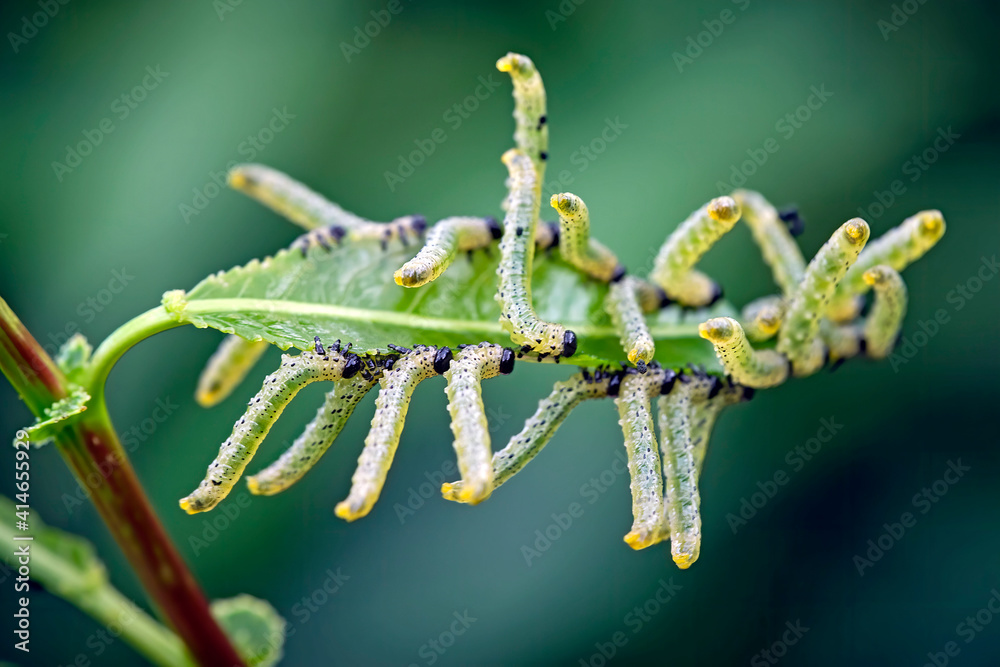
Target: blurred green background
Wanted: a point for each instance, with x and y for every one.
(689, 124)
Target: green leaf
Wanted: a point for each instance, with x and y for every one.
(43, 430)
(256, 629)
(349, 293)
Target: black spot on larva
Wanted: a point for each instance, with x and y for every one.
(494, 227)
(863, 344)
(715, 387)
(618, 274)
(669, 379)
(419, 224)
(541, 121)
(790, 216)
(837, 364)
(337, 233)
(442, 360)
(398, 348)
(543, 155)
(318, 346)
(506, 361)
(351, 366)
(716, 293)
(525, 349)
(569, 344)
(683, 378)
(615, 384)
(519, 231)
(641, 365)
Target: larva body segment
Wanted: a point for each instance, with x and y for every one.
(444, 241)
(546, 235)
(468, 417)
(517, 251)
(290, 198)
(776, 244)
(673, 267)
(842, 341)
(750, 367)
(227, 368)
(396, 390)
(575, 244)
(401, 229)
(762, 317)
(888, 310)
(897, 249)
(651, 297)
(682, 505)
(317, 437)
(531, 130)
(264, 409)
(642, 451)
(540, 427)
(799, 338)
(623, 305)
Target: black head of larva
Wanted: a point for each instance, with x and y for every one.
(337, 233)
(506, 361)
(351, 366)
(442, 360)
(494, 227)
(790, 216)
(619, 273)
(669, 378)
(717, 293)
(715, 387)
(418, 224)
(615, 384)
(318, 346)
(569, 344)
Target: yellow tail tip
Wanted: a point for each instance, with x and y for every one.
(237, 179)
(724, 209)
(931, 224)
(253, 486)
(639, 539)
(856, 230)
(515, 63)
(347, 513)
(684, 561)
(719, 329)
(185, 504)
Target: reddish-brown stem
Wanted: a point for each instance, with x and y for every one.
(93, 452)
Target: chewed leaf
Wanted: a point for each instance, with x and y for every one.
(43, 430)
(257, 630)
(348, 292)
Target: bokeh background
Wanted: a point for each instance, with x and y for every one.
(229, 65)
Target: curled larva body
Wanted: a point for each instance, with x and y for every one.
(264, 409)
(762, 317)
(289, 198)
(651, 297)
(401, 229)
(673, 267)
(546, 235)
(750, 367)
(540, 427)
(531, 131)
(799, 338)
(226, 368)
(897, 249)
(622, 304)
(682, 505)
(317, 437)
(444, 241)
(470, 367)
(776, 244)
(395, 392)
(575, 244)
(642, 452)
(888, 310)
(842, 341)
(517, 251)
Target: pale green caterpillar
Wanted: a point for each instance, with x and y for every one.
(546, 235)
(396, 390)
(226, 368)
(762, 317)
(682, 504)
(886, 317)
(776, 244)
(623, 304)
(643, 456)
(575, 244)
(673, 267)
(289, 198)
(317, 437)
(531, 131)
(750, 367)
(843, 341)
(897, 249)
(399, 229)
(517, 250)
(799, 338)
(444, 241)
(541, 426)
(470, 367)
(264, 409)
